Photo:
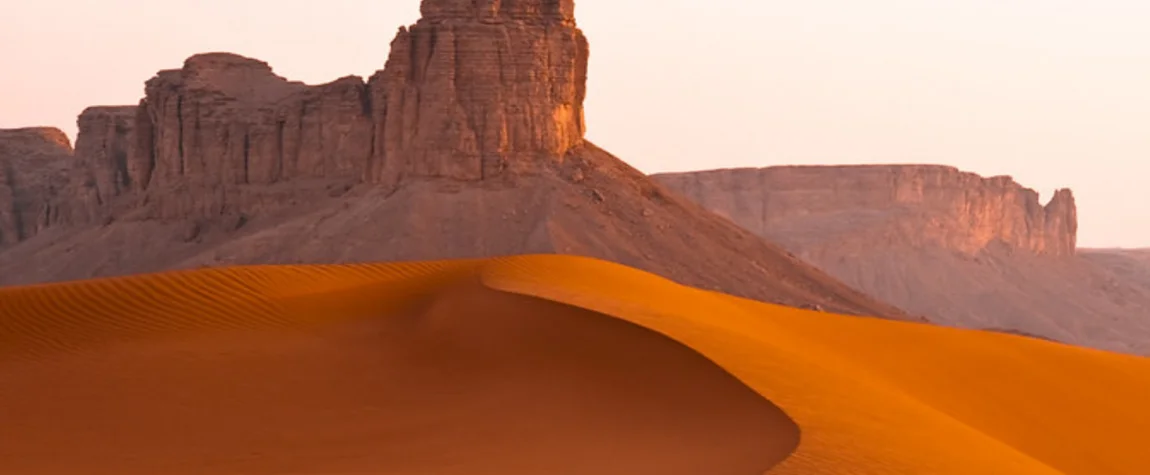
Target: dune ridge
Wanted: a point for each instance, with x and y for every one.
(868, 396)
(408, 368)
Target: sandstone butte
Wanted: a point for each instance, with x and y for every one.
(526, 365)
(468, 143)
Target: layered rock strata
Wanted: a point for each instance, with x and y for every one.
(917, 205)
(476, 88)
(471, 91)
(39, 183)
(105, 146)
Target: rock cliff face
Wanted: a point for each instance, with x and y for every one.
(476, 88)
(208, 138)
(469, 92)
(104, 146)
(473, 90)
(909, 205)
(38, 185)
(469, 143)
(960, 249)
(228, 120)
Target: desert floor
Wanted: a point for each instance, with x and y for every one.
(530, 364)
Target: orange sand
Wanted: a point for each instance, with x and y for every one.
(531, 364)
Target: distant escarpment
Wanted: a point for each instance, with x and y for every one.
(955, 247)
(468, 143)
(912, 205)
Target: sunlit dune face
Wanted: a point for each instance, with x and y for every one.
(472, 381)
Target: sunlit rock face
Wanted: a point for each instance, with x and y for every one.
(913, 205)
(475, 89)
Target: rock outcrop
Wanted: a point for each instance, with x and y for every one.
(30, 160)
(35, 182)
(960, 249)
(104, 146)
(915, 205)
(470, 91)
(226, 120)
(469, 143)
(208, 138)
(476, 88)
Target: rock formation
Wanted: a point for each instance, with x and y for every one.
(205, 132)
(468, 92)
(103, 146)
(470, 142)
(34, 142)
(960, 249)
(915, 205)
(467, 99)
(38, 186)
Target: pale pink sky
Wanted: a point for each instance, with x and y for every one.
(1053, 92)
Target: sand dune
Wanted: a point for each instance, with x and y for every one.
(469, 380)
(531, 364)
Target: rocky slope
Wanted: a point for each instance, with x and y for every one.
(914, 205)
(1132, 265)
(960, 249)
(468, 143)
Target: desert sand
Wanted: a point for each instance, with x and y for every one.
(530, 364)
(470, 380)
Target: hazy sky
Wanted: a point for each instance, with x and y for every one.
(1053, 92)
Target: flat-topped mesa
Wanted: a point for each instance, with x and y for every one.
(469, 94)
(202, 122)
(562, 11)
(225, 120)
(897, 204)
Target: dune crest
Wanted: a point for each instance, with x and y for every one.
(456, 378)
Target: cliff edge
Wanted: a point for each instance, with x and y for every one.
(912, 205)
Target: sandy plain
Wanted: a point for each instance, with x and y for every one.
(530, 364)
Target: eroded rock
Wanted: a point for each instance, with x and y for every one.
(915, 205)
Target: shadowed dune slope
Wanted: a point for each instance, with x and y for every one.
(450, 377)
(531, 364)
